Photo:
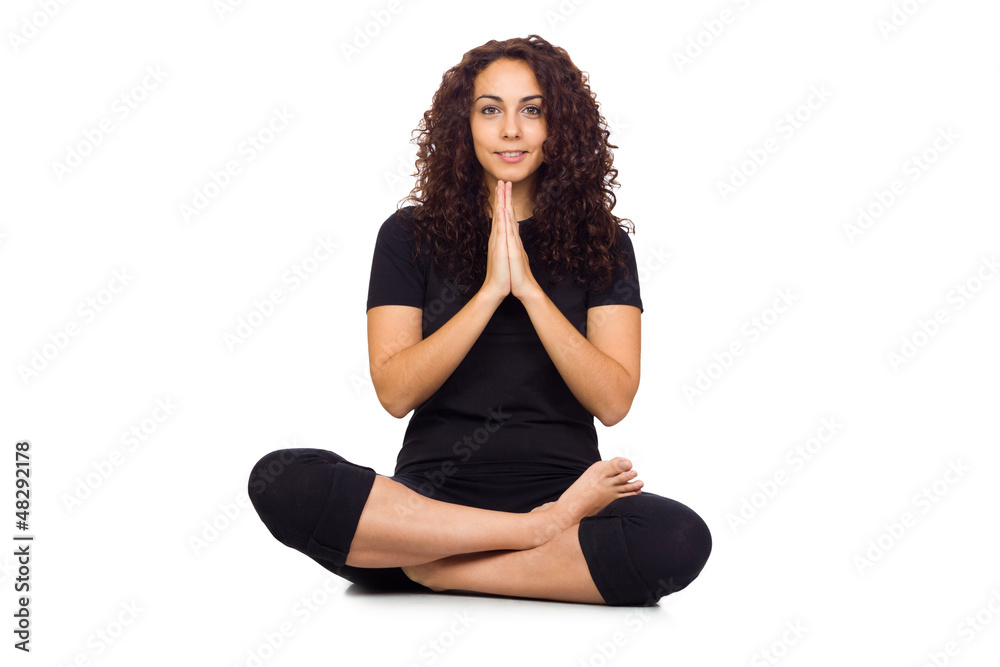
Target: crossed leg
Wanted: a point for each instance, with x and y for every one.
(630, 543)
(453, 547)
(555, 570)
(376, 531)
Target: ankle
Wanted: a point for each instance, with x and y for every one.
(550, 523)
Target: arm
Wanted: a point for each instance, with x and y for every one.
(406, 368)
(601, 369)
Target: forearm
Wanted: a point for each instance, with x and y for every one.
(412, 375)
(599, 382)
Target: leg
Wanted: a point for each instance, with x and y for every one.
(556, 570)
(640, 549)
(632, 553)
(341, 514)
(401, 527)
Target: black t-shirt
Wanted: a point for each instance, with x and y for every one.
(505, 408)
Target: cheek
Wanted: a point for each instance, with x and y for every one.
(541, 137)
(477, 139)
(540, 142)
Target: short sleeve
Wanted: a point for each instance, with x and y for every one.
(624, 289)
(396, 278)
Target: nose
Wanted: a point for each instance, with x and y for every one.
(511, 127)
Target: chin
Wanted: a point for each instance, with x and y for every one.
(516, 176)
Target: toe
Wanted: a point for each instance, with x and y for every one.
(621, 464)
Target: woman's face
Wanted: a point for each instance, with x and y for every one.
(507, 116)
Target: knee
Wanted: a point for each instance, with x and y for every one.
(281, 487)
(685, 548)
(673, 547)
(265, 480)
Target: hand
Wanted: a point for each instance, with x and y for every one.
(522, 282)
(497, 266)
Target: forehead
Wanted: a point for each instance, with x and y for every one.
(506, 76)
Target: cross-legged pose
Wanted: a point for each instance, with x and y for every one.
(503, 312)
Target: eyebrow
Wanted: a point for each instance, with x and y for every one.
(494, 97)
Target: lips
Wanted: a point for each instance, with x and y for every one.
(512, 159)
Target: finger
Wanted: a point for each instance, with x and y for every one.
(504, 207)
(502, 196)
(504, 222)
(509, 202)
(513, 226)
(505, 189)
(496, 229)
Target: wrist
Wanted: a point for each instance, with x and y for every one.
(489, 297)
(531, 294)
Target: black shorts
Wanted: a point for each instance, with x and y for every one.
(638, 548)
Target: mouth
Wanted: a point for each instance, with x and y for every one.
(512, 156)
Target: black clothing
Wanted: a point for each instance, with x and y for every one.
(638, 548)
(505, 407)
(503, 432)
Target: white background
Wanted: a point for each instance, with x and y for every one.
(336, 170)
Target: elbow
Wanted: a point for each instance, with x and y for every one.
(611, 418)
(607, 421)
(614, 414)
(394, 406)
(393, 403)
(395, 411)
(617, 409)
(389, 396)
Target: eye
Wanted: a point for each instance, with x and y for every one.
(532, 110)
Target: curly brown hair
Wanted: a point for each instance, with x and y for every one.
(574, 228)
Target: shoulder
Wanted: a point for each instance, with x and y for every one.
(396, 234)
(397, 276)
(623, 252)
(398, 227)
(624, 283)
(624, 240)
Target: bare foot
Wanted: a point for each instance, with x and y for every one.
(600, 484)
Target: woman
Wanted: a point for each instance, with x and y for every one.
(503, 310)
